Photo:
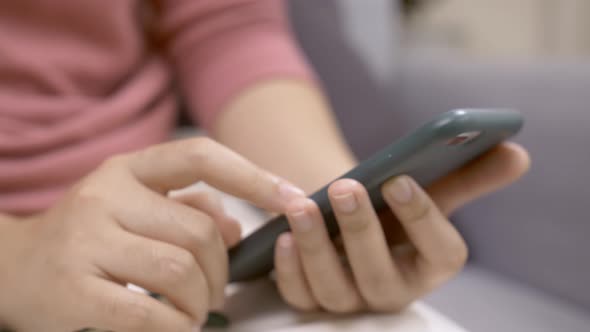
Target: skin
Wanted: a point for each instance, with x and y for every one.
(96, 239)
(395, 256)
(293, 122)
(302, 143)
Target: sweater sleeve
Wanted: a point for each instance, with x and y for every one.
(220, 47)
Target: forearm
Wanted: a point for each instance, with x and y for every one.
(6, 218)
(286, 127)
(8, 224)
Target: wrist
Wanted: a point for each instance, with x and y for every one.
(13, 237)
(6, 222)
(9, 227)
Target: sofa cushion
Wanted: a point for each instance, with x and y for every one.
(483, 301)
(535, 231)
(362, 102)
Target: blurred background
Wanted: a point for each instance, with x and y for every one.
(500, 29)
(389, 66)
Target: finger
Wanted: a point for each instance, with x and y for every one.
(492, 171)
(212, 205)
(441, 251)
(161, 268)
(181, 163)
(331, 286)
(115, 308)
(152, 216)
(290, 276)
(378, 279)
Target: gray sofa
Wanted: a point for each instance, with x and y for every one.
(530, 254)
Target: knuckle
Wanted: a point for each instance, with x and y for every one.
(205, 233)
(301, 305)
(336, 301)
(453, 259)
(130, 313)
(378, 290)
(299, 299)
(212, 200)
(85, 198)
(89, 194)
(62, 264)
(200, 149)
(176, 268)
(97, 188)
(191, 234)
(253, 183)
(420, 210)
(456, 257)
(381, 293)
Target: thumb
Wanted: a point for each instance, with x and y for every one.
(494, 170)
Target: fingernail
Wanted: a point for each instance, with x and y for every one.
(301, 220)
(285, 244)
(196, 328)
(343, 197)
(346, 203)
(401, 190)
(288, 192)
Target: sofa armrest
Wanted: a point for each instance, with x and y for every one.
(537, 230)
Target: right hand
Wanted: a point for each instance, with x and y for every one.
(68, 268)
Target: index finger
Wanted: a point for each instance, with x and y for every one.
(178, 164)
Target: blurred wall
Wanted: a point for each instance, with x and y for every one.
(373, 29)
(505, 28)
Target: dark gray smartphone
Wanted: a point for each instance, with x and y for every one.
(442, 145)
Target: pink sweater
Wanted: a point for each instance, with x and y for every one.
(83, 80)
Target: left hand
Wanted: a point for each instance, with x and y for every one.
(392, 260)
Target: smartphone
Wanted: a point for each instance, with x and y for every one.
(442, 145)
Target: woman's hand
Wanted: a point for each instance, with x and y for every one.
(68, 268)
(391, 261)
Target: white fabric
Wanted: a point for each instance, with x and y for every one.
(256, 307)
(487, 302)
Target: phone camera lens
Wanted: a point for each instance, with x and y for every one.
(464, 138)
